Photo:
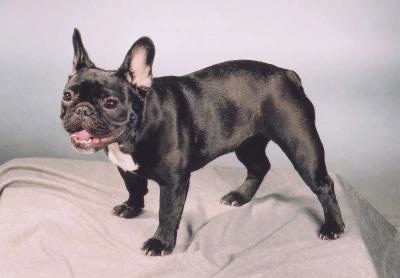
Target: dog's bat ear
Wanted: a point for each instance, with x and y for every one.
(137, 66)
(81, 58)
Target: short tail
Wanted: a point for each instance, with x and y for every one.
(295, 78)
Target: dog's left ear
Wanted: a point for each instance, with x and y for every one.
(81, 58)
(137, 66)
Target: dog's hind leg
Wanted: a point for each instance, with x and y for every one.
(303, 147)
(252, 154)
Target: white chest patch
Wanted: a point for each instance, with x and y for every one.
(122, 160)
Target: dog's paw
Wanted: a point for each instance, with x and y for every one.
(234, 198)
(331, 231)
(155, 247)
(125, 211)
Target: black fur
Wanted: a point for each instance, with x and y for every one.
(179, 124)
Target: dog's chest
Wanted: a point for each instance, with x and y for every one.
(122, 160)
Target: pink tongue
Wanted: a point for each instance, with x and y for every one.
(82, 135)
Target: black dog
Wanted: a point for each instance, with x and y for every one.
(165, 128)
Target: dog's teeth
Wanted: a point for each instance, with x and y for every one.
(85, 142)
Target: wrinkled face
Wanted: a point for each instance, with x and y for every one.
(97, 108)
(101, 107)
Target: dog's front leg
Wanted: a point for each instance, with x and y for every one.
(172, 201)
(137, 188)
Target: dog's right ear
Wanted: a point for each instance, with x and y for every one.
(81, 58)
(138, 62)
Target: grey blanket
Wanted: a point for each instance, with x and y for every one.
(55, 221)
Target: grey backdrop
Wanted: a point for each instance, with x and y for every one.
(347, 53)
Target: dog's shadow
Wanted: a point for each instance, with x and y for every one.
(310, 212)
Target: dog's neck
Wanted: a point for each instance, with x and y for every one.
(150, 117)
(145, 126)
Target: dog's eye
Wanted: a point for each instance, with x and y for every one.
(110, 103)
(67, 96)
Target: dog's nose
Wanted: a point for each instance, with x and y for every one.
(83, 111)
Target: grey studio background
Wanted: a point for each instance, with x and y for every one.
(347, 53)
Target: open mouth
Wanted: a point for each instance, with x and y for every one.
(83, 140)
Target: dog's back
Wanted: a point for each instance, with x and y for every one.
(232, 101)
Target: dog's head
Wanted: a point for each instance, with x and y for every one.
(100, 107)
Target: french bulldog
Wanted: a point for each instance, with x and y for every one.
(167, 127)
